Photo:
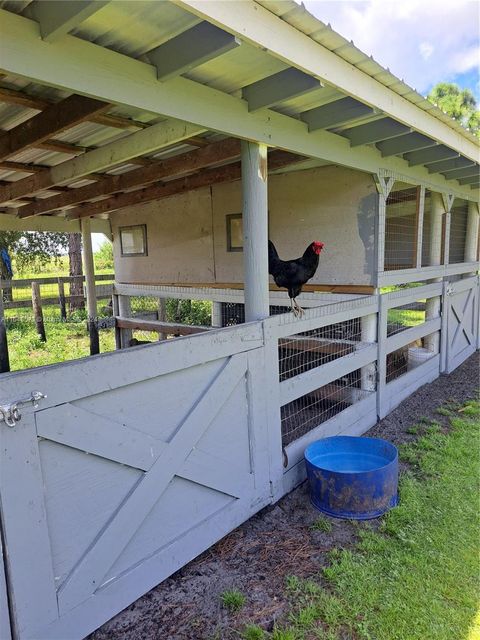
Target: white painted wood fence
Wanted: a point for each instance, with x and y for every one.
(139, 460)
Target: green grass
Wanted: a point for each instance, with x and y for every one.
(322, 524)
(233, 600)
(406, 317)
(417, 578)
(65, 340)
(253, 632)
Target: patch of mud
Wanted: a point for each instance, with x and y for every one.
(278, 542)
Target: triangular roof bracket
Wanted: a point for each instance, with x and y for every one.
(448, 199)
(384, 184)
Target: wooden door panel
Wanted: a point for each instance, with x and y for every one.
(120, 486)
(82, 491)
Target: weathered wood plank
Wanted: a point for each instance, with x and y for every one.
(33, 600)
(198, 180)
(88, 574)
(54, 119)
(183, 164)
(159, 327)
(76, 427)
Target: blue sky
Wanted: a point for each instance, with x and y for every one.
(421, 41)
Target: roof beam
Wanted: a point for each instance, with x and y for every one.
(434, 154)
(376, 131)
(12, 96)
(55, 118)
(470, 180)
(207, 177)
(9, 222)
(335, 114)
(263, 29)
(466, 172)
(402, 144)
(190, 49)
(82, 67)
(281, 86)
(56, 19)
(447, 165)
(120, 151)
(20, 166)
(226, 150)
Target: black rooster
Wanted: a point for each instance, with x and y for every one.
(293, 274)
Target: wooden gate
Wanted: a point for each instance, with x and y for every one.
(461, 311)
(134, 464)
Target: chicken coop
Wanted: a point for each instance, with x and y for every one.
(190, 133)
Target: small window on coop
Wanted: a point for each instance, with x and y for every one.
(234, 232)
(133, 240)
(401, 220)
(458, 231)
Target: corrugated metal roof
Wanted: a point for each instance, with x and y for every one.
(298, 16)
(134, 27)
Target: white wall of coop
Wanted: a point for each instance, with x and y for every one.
(187, 238)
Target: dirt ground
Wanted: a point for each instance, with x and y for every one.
(257, 557)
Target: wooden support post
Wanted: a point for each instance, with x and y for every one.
(37, 311)
(217, 314)
(125, 311)
(89, 269)
(419, 227)
(433, 305)
(162, 315)
(368, 373)
(255, 230)
(116, 313)
(471, 238)
(61, 299)
(4, 359)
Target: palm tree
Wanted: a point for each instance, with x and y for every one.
(458, 103)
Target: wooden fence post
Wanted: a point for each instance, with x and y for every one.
(37, 311)
(61, 299)
(162, 315)
(4, 360)
(116, 313)
(89, 268)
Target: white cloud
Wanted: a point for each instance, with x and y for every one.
(465, 60)
(426, 49)
(423, 42)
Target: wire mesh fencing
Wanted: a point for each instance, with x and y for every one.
(458, 231)
(405, 316)
(304, 351)
(306, 413)
(410, 356)
(433, 234)
(401, 220)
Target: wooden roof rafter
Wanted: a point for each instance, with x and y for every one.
(124, 151)
(54, 119)
(226, 173)
(225, 150)
(23, 99)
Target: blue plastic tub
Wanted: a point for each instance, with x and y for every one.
(352, 477)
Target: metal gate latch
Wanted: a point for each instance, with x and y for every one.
(10, 413)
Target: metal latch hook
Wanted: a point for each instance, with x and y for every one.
(10, 413)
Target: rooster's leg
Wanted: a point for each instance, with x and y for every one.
(297, 309)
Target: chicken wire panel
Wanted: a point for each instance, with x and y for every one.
(401, 220)
(302, 352)
(309, 411)
(403, 360)
(233, 313)
(458, 231)
(406, 316)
